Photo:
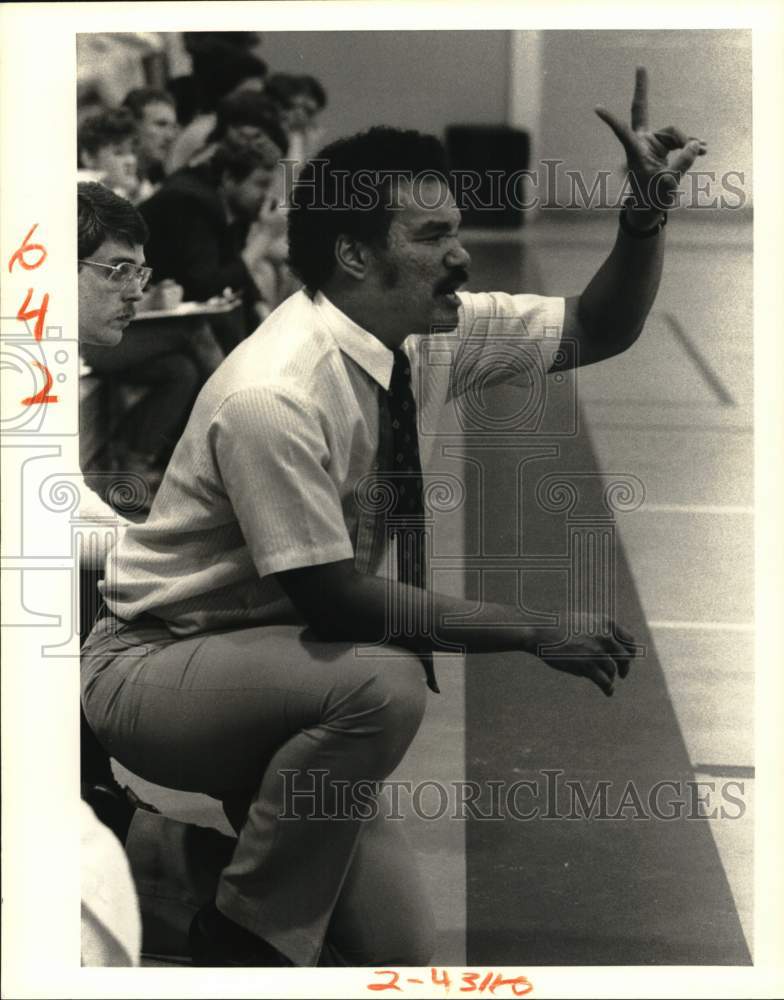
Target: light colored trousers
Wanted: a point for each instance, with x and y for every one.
(248, 716)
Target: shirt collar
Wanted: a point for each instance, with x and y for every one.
(362, 347)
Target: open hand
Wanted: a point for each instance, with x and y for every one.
(656, 160)
(599, 652)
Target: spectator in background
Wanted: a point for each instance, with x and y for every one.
(220, 70)
(156, 122)
(111, 232)
(249, 120)
(172, 361)
(301, 99)
(177, 864)
(107, 154)
(243, 121)
(199, 221)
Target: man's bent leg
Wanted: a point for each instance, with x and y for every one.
(218, 712)
(298, 823)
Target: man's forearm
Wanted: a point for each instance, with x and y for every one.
(617, 300)
(340, 604)
(369, 609)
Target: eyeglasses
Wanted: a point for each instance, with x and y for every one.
(125, 273)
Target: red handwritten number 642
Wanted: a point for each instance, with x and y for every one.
(22, 257)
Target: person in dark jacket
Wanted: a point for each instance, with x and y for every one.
(199, 222)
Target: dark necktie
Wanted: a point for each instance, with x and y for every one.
(406, 519)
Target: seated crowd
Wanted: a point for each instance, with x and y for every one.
(200, 159)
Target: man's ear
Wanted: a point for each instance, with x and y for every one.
(351, 256)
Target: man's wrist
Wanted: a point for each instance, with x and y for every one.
(642, 218)
(643, 221)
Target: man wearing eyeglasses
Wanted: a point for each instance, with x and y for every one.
(112, 273)
(171, 360)
(112, 277)
(108, 294)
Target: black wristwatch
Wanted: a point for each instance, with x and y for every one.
(644, 234)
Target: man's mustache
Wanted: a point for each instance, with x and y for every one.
(456, 278)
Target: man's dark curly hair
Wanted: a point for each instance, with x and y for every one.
(346, 189)
(103, 215)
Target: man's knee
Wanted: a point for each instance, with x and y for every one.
(387, 704)
(398, 692)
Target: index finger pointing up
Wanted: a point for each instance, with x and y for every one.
(640, 100)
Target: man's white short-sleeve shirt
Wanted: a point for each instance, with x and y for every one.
(269, 471)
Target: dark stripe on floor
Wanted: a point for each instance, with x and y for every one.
(634, 890)
(704, 367)
(725, 770)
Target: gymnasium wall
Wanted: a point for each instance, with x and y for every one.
(416, 79)
(699, 80)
